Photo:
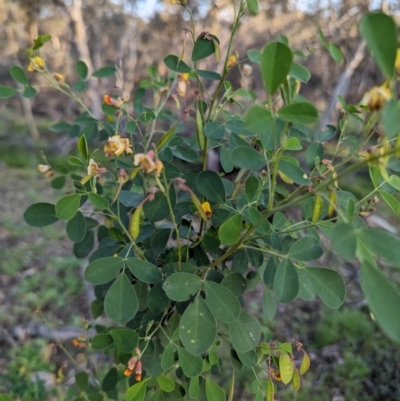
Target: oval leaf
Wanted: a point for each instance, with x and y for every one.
(210, 185)
(67, 206)
(276, 60)
(144, 271)
(40, 215)
(305, 249)
(299, 113)
(286, 282)
(223, 303)
(192, 365)
(173, 63)
(197, 329)
(121, 302)
(329, 285)
(245, 332)
(380, 32)
(181, 286)
(231, 230)
(102, 271)
(76, 227)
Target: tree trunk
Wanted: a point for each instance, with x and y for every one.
(342, 87)
(81, 41)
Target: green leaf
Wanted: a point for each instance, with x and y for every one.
(121, 302)
(173, 63)
(98, 201)
(67, 206)
(152, 362)
(391, 201)
(40, 41)
(192, 365)
(297, 71)
(248, 158)
(101, 341)
(315, 150)
(125, 339)
(210, 185)
(110, 380)
(40, 215)
(305, 249)
(254, 56)
(82, 70)
(344, 240)
(166, 383)
(202, 49)
(181, 286)
(380, 32)
(258, 120)
(382, 297)
(245, 332)
(84, 247)
(382, 243)
(235, 283)
(197, 328)
(394, 181)
(158, 208)
(374, 174)
(144, 271)
(231, 230)
(167, 359)
(62, 126)
(211, 75)
(19, 75)
(223, 303)
(268, 305)
(335, 52)
(286, 282)
(390, 118)
(76, 227)
(157, 299)
(299, 113)
(194, 388)
(329, 285)
(102, 271)
(214, 392)
(137, 392)
(293, 172)
(276, 60)
(226, 159)
(80, 86)
(104, 72)
(7, 92)
(82, 380)
(83, 147)
(251, 188)
(252, 5)
(29, 92)
(214, 130)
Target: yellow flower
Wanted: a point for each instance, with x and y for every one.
(233, 59)
(117, 146)
(45, 169)
(147, 164)
(59, 77)
(376, 97)
(36, 64)
(94, 170)
(397, 62)
(206, 209)
(183, 80)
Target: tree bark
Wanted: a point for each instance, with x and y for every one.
(342, 87)
(81, 41)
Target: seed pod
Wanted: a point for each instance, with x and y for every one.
(317, 208)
